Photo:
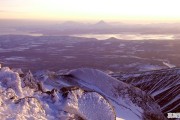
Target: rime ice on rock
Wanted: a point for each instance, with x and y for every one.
(19, 102)
(87, 94)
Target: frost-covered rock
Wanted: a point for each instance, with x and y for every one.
(20, 101)
(87, 105)
(21, 109)
(30, 81)
(10, 79)
(81, 94)
(129, 102)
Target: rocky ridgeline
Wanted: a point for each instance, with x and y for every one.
(81, 94)
(163, 85)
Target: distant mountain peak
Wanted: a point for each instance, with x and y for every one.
(112, 38)
(101, 23)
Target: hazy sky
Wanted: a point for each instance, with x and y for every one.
(87, 10)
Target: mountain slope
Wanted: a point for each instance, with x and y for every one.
(80, 94)
(118, 92)
(19, 101)
(163, 85)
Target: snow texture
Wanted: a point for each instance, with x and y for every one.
(26, 99)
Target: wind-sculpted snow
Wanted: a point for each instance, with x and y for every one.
(27, 98)
(128, 101)
(88, 105)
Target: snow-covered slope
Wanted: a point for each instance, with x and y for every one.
(163, 85)
(128, 101)
(21, 99)
(81, 94)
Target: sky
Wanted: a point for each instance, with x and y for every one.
(92, 10)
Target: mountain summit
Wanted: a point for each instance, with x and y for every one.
(79, 94)
(101, 23)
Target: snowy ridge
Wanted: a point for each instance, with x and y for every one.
(163, 85)
(81, 94)
(125, 98)
(20, 101)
